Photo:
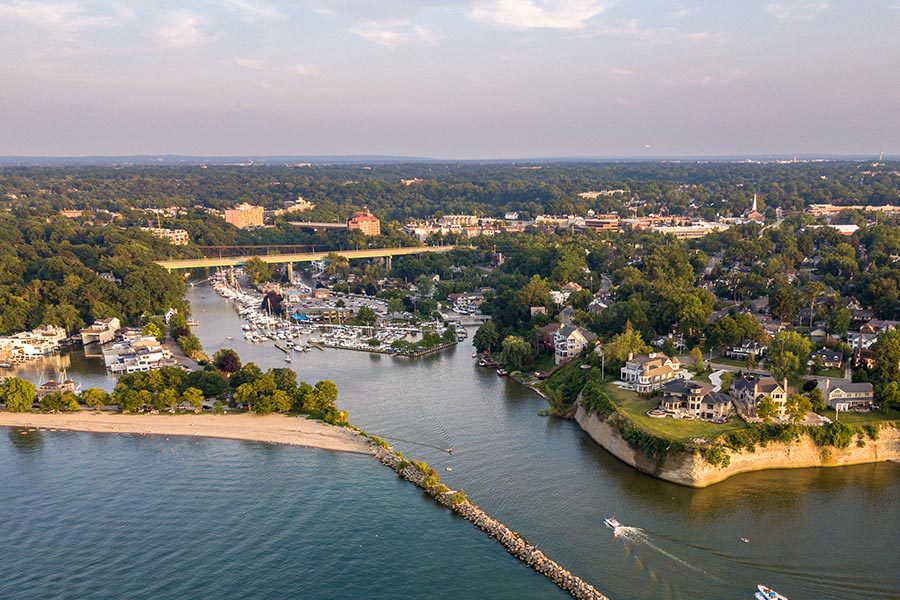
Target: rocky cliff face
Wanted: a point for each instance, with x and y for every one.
(694, 471)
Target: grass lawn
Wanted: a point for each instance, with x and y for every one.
(730, 361)
(544, 362)
(867, 418)
(635, 407)
(831, 373)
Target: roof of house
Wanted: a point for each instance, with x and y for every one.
(717, 398)
(828, 355)
(685, 386)
(846, 386)
(761, 385)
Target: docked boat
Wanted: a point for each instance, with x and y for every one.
(502, 372)
(767, 593)
(611, 522)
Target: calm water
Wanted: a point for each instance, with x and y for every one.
(815, 534)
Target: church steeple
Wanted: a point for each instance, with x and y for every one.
(755, 207)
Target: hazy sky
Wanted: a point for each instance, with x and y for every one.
(449, 78)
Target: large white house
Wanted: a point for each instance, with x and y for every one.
(648, 372)
(846, 395)
(137, 355)
(29, 345)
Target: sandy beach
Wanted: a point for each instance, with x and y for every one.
(275, 429)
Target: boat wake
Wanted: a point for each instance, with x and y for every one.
(636, 535)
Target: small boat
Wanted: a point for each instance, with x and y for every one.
(287, 359)
(448, 468)
(745, 540)
(611, 522)
(502, 372)
(228, 337)
(766, 593)
(474, 355)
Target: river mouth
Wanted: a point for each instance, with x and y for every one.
(814, 533)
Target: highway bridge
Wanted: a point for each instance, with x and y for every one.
(233, 261)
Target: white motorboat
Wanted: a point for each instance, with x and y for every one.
(767, 593)
(611, 522)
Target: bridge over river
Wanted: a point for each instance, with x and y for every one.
(233, 261)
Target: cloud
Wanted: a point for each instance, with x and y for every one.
(392, 34)
(566, 15)
(180, 30)
(793, 10)
(259, 65)
(53, 18)
(622, 72)
(253, 9)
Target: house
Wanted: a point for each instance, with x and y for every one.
(597, 306)
(569, 342)
(750, 389)
(537, 310)
(863, 359)
(844, 395)
(744, 349)
(60, 386)
(511, 216)
(548, 332)
(818, 334)
(648, 372)
(862, 340)
(566, 315)
(135, 354)
(365, 222)
(826, 359)
(677, 342)
(571, 287)
(694, 399)
(101, 332)
(28, 345)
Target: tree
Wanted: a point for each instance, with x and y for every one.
(336, 265)
(515, 353)
(17, 394)
(248, 374)
(486, 337)
(797, 406)
(581, 299)
(697, 355)
(886, 355)
(811, 291)
(395, 305)
(167, 398)
(889, 395)
(766, 408)
(784, 302)
(258, 271)
(95, 398)
(536, 293)
(366, 316)
(227, 361)
(629, 342)
(193, 396)
(152, 329)
(788, 355)
(839, 321)
(816, 400)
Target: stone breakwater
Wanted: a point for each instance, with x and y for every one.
(512, 541)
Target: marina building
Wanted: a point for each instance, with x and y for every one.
(101, 332)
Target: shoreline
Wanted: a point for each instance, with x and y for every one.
(272, 429)
(694, 471)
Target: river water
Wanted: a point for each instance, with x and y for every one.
(814, 533)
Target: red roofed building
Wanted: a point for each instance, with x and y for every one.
(365, 222)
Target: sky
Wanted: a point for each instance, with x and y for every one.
(456, 79)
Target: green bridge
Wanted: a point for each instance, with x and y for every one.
(233, 261)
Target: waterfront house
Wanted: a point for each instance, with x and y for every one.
(648, 372)
(846, 395)
(136, 354)
(750, 389)
(102, 331)
(548, 332)
(694, 399)
(28, 345)
(826, 359)
(569, 342)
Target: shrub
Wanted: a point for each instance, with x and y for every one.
(458, 497)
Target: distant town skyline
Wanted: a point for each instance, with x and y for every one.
(449, 79)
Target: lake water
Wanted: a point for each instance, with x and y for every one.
(814, 533)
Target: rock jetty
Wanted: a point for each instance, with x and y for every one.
(420, 475)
